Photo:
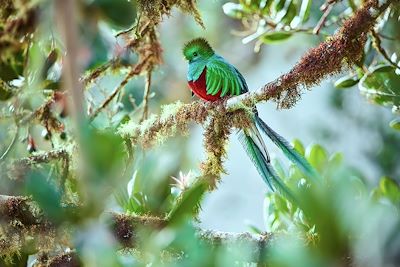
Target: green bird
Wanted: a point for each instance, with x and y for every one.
(211, 77)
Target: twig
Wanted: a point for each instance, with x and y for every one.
(146, 96)
(88, 78)
(67, 259)
(392, 38)
(135, 71)
(42, 157)
(321, 22)
(15, 137)
(64, 173)
(123, 32)
(378, 46)
(319, 62)
(18, 208)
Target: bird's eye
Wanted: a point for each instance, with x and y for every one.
(195, 54)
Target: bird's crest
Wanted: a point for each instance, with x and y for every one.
(198, 44)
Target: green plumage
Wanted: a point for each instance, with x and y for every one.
(198, 46)
(221, 76)
(223, 79)
(289, 151)
(264, 167)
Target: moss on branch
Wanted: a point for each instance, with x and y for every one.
(340, 51)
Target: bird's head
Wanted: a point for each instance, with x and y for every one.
(197, 49)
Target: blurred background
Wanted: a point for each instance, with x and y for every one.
(348, 125)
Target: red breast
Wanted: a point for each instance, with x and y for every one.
(199, 88)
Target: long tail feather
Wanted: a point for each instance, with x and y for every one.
(263, 166)
(288, 150)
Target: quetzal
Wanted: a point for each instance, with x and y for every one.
(211, 77)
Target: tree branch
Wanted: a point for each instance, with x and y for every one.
(43, 157)
(19, 167)
(378, 46)
(342, 50)
(125, 228)
(146, 96)
(135, 71)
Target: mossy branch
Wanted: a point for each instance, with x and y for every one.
(21, 212)
(340, 51)
(330, 57)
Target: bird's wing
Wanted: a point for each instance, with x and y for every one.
(222, 76)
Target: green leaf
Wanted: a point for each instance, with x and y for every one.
(254, 229)
(317, 156)
(104, 151)
(290, 13)
(279, 4)
(395, 124)
(121, 13)
(346, 81)
(233, 10)
(186, 206)
(382, 86)
(281, 204)
(51, 59)
(45, 193)
(7, 72)
(298, 146)
(5, 91)
(390, 189)
(305, 8)
(51, 85)
(336, 160)
(275, 37)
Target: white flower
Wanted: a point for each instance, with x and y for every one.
(184, 181)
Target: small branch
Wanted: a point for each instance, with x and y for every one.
(18, 208)
(392, 38)
(64, 173)
(15, 137)
(43, 157)
(135, 71)
(343, 49)
(146, 96)
(66, 259)
(256, 245)
(88, 78)
(125, 227)
(321, 22)
(378, 46)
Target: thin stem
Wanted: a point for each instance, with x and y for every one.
(146, 96)
(135, 71)
(11, 144)
(321, 22)
(43, 157)
(378, 46)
